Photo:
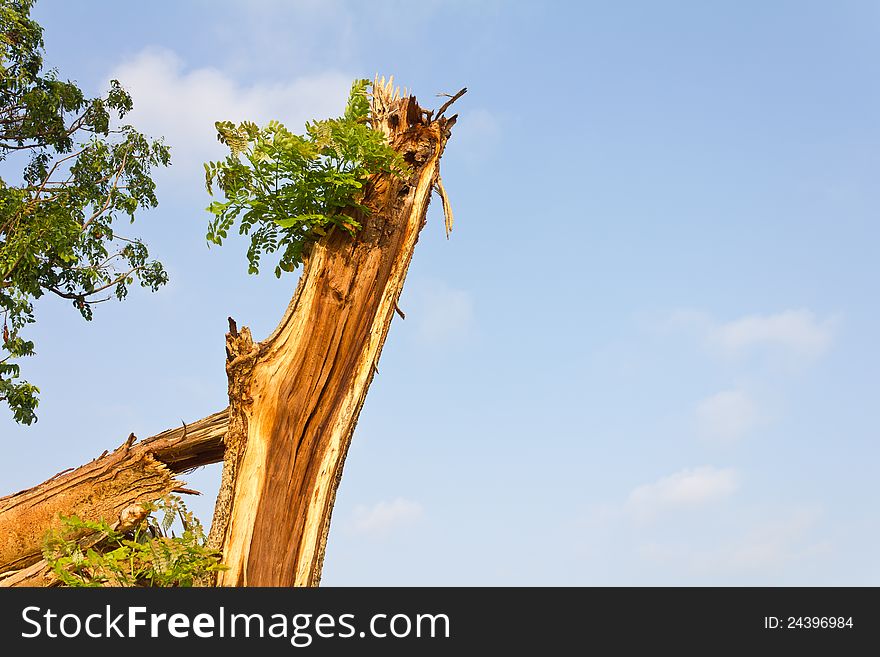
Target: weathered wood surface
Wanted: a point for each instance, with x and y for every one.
(296, 396)
(133, 473)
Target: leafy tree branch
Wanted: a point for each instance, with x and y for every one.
(286, 190)
(58, 224)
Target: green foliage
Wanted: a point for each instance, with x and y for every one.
(286, 190)
(79, 173)
(144, 556)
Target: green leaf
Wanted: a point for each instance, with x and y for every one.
(289, 187)
(301, 219)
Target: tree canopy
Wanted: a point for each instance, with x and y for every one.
(77, 169)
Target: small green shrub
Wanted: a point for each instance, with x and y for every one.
(150, 554)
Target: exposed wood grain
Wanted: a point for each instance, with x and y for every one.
(189, 446)
(102, 488)
(296, 396)
(37, 574)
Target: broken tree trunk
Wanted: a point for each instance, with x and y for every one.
(104, 488)
(296, 396)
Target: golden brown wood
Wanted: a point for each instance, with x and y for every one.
(296, 396)
(134, 472)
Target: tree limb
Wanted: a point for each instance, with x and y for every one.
(134, 472)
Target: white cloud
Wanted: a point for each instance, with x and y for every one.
(687, 488)
(442, 313)
(773, 544)
(727, 416)
(798, 331)
(383, 516)
(766, 548)
(182, 105)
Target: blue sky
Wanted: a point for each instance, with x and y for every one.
(647, 355)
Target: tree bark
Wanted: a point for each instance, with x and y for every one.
(102, 489)
(295, 397)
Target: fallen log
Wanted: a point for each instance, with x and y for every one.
(135, 472)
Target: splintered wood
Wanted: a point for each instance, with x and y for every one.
(103, 489)
(296, 396)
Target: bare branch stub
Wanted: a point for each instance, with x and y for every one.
(445, 106)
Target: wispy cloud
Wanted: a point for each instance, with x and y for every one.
(766, 548)
(182, 104)
(732, 542)
(688, 488)
(384, 516)
(727, 416)
(774, 544)
(796, 332)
